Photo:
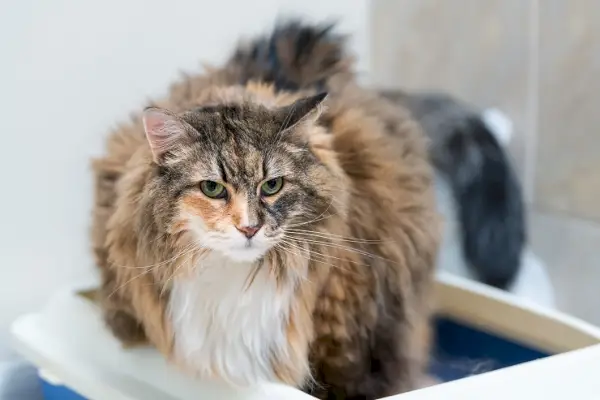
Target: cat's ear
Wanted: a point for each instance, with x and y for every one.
(163, 130)
(305, 109)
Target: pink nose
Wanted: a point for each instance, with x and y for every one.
(249, 231)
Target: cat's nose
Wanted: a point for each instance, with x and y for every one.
(249, 231)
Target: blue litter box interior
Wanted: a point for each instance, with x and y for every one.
(460, 350)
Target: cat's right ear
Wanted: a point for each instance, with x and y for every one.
(163, 129)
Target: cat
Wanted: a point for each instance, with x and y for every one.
(479, 195)
(272, 221)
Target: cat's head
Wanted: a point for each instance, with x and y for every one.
(243, 178)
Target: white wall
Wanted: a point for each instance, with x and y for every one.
(69, 71)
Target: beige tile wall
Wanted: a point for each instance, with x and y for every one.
(571, 249)
(568, 151)
(539, 61)
(477, 49)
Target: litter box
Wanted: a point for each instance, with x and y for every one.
(489, 345)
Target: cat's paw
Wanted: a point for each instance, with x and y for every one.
(126, 328)
(428, 381)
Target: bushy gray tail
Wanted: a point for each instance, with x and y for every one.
(486, 191)
(490, 208)
(294, 56)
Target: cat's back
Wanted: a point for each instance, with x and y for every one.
(383, 151)
(380, 146)
(383, 270)
(361, 117)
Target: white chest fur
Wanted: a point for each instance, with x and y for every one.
(224, 328)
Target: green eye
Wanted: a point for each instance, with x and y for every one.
(213, 189)
(272, 186)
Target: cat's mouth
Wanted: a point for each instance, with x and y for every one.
(241, 249)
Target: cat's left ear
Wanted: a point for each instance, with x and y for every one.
(163, 130)
(306, 109)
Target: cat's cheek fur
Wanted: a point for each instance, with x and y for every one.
(243, 334)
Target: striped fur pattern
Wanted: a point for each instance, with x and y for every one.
(329, 291)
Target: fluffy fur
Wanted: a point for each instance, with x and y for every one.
(479, 195)
(244, 323)
(488, 196)
(323, 285)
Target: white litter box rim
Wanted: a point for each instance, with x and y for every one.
(513, 317)
(67, 356)
(63, 358)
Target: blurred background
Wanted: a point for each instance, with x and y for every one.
(71, 70)
(539, 62)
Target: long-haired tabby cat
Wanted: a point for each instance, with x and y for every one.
(255, 229)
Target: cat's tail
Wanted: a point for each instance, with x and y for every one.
(294, 56)
(488, 200)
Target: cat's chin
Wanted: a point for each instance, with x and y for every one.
(244, 254)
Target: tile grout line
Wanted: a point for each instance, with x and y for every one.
(533, 101)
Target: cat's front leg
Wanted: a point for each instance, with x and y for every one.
(118, 313)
